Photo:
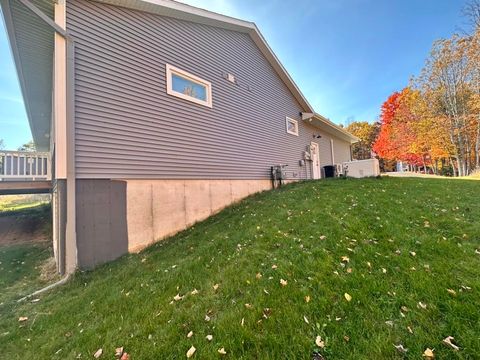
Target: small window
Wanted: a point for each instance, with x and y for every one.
(187, 86)
(292, 126)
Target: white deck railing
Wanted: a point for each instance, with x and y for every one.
(24, 165)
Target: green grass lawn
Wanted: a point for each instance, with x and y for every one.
(407, 242)
(20, 270)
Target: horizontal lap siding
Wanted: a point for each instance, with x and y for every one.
(128, 127)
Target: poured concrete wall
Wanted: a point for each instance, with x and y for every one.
(160, 208)
(101, 221)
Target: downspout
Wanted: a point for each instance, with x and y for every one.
(70, 232)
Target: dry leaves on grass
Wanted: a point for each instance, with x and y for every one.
(345, 259)
(283, 282)
(421, 305)
(319, 342)
(216, 286)
(348, 297)
(191, 351)
(22, 318)
(307, 299)
(98, 353)
(428, 354)
(448, 341)
(177, 297)
(452, 292)
(209, 337)
(194, 292)
(400, 348)
(222, 351)
(190, 334)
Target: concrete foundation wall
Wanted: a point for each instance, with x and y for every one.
(159, 208)
(101, 221)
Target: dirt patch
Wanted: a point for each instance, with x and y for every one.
(22, 229)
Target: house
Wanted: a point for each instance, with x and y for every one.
(156, 114)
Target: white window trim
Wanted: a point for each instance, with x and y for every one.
(170, 70)
(287, 120)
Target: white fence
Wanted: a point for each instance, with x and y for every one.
(24, 166)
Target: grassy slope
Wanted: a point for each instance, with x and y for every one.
(127, 303)
(20, 267)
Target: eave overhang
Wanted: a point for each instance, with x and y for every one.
(32, 44)
(329, 127)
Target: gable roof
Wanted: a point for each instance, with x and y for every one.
(186, 12)
(39, 112)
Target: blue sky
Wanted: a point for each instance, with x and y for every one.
(346, 56)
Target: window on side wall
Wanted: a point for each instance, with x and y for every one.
(188, 86)
(292, 126)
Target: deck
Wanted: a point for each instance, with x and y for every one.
(24, 172)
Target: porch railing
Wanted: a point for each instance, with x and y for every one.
(24, 165)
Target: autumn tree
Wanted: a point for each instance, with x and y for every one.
(366, 132)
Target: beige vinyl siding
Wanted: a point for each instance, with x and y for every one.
(127, 126)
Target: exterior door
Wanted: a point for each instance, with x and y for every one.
(315, 156)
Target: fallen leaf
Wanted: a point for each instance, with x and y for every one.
(274, 266)
(428, 353)
(242, 322)
(305, 319)
(346, 338)
(400, 348)
(349, 270)
(190, 334)
(178, 297)
(22, 318)
(322, 237)
(222, 351)
(98, 353)
(209, 337)
(125, 356)
(409, 329)
(413, 253)
(384, 270)
(215, 287)
(191, 351)
(258, 276)
(369, 264)
(389, 323)
(119, 352)
(452, 292)
(347, 297)
(283, 282)
(207, 318)
(319, 342)
(194, 292)
(248, 306)
(307, 299)
(345, 259)
(448, 341)
(421, 305)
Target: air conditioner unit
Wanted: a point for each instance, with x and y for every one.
(339, 169)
